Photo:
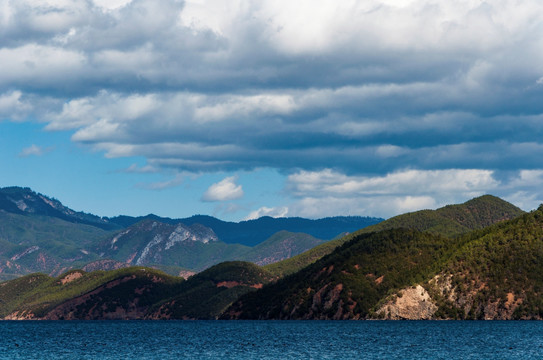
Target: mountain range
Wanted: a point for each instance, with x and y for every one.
(39, 233)
(478, 260)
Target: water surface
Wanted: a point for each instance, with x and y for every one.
(271, 340)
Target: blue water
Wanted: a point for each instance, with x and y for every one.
(271, 340)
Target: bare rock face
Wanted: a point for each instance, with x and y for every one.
(20, 315)
(413, 303)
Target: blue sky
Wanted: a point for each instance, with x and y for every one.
(247, 108)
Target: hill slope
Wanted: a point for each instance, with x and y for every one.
(130, 293)
(347, 283)
(208, 294)
(454, 220)
(491, 273)
(38, 296)
(42, 243)
(451, 220)
(496, 274)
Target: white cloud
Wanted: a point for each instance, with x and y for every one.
(324, 193)
(412, 103)
(162, 185)
(13, 107)
(275, 212)
(146, 169)
(111, 4)
(378, 206)
(224, 190)
(411, 182)
(39, 65)
(34, 150)
(327, 192)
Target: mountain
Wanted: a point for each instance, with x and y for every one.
(150, 242)
(496, 274)
(280, 246)
(493, 272)
(130, 293)
(38, 233)
(350, 281)
(254, 232)
(490, 273)
(21, 201)
(195, 247)
(450, 220)
(454, 220)
(45, 244)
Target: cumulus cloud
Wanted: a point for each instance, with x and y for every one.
(224, 190)
(13, 106)
(276, 212)
(454, 181)
(365, 89)
(325, 193)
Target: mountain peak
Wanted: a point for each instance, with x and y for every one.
(19, 200)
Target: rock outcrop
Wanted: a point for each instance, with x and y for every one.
(413, 303)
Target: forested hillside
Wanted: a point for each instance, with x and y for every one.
(491, 273)
(451, 220)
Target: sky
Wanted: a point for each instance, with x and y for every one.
(240, 109)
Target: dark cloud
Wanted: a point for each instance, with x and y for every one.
(363, 88)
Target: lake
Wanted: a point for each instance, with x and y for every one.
(271, 340)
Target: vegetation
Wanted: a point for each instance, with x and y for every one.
(491, 273)
(451, 221)
(499, 270)
(350, 281)
(39, 234)
(135, 292)
(39, 293)
(23, 238)
(208, 294)
(480, 259)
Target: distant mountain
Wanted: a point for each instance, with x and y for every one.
(24, 201)
(253, 232)
(150, 242)
(131, 293)
(280, 246)
(491, 273)
(38, 233)
(450, 220)
(196, 247)
(31, 243)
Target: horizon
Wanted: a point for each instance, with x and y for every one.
(243, 220)
(271, 108)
